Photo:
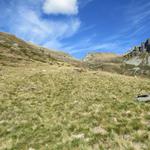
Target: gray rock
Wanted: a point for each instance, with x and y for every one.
(99, 130)
(136, 61)
(143, 98)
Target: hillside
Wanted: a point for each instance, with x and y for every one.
(14, 51)
(50, 101)
(104, 61)
(59, 108)
(101, 57)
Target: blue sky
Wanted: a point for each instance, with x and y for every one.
(78, 26)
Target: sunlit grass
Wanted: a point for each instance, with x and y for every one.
(60, 108)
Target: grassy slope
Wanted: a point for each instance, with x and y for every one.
(102, 57)
(60, 108)
(105, 61)
(15, 52)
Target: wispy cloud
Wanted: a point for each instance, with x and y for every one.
(26, 20)
(42, 31)
(89, 45)
(54, 24)
(136, 23)
(83, 3)
(138, 17)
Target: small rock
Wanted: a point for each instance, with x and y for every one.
(115, 119)
(15, 45)
(31, 148)
(99, 130)
(50, 63)
(87, 140)
(128, 112)
(143, 98)
(1, 41)
(78, 136)
(95, 147)
(79, 70)
(75, 102)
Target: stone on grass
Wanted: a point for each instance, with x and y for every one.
(78, 136)
(31, 148)
(143, 98)
(99, 130)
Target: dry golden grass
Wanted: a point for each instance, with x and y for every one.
(55, 107)
(14, 51)
(102, 57)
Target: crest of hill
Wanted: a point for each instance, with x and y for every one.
(15, 50)
(101, 57)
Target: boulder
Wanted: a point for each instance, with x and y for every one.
(143, 98)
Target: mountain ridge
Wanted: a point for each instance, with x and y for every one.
(15, 50)
(139, 55)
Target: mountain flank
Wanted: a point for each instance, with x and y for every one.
(14, 51)
(104, 61)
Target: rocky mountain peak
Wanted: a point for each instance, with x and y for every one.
(143, 48)
(139, 55)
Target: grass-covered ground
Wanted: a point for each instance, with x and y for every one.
(46, 107)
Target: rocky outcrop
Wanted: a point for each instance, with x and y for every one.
(139, 55)
(144, 47)
(135, 62)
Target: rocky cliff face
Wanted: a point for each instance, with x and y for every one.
(139, 55)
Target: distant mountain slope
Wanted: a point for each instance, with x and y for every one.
(136, 62)
(104, 61)
(101, 57)
(15, 50)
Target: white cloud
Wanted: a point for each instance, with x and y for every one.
(67, 7)
(89, 47)
(42, 31)
(29, 23)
